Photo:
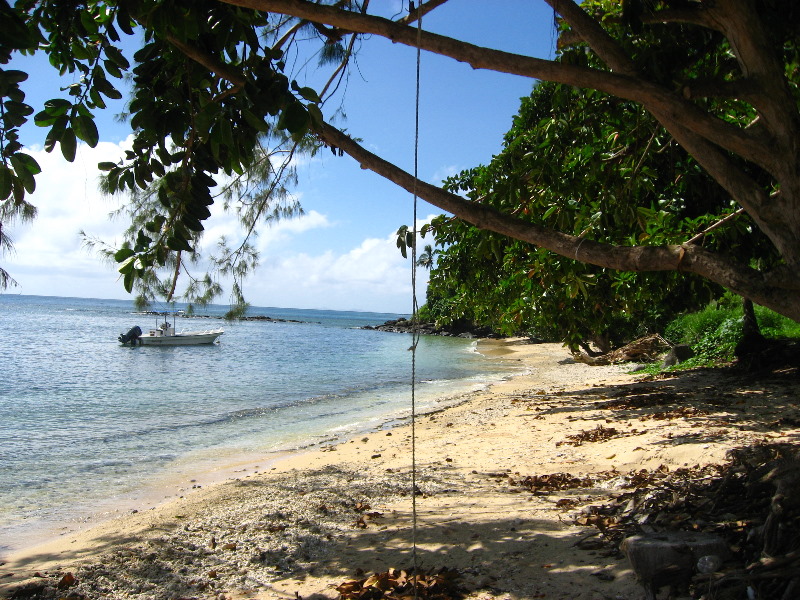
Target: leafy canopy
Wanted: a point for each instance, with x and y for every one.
(601, 169)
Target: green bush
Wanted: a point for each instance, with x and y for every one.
(693, 327)
(773, 325)
(714, 331)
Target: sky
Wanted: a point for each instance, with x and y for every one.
(341, 255)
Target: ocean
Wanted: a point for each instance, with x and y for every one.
(89, 427)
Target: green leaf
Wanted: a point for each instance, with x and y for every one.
(69, 145)
(112, 69)
(14, 32)
(309, 94)
(57, 106)
(86, 130)
(178, 243)
(14, 76)
(24, 176)
(128, 264)
(143, 241)
(27, 162)
(294, 118)
(56, 132)
(6, 181)
(192, 223)
(115, 55)
(156, 224)
(316, 115)
(255, 122)
(198, 211)
(97, 99)
(122, 254)
(89, 24)
(104, 86)
(124, 18)
(127, 281)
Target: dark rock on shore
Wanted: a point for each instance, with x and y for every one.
(245, 318)
(462, 330)
(272, 320)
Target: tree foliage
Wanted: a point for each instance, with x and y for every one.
(599, 168)
(720, 77)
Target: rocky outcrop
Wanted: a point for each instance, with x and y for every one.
(402, 325)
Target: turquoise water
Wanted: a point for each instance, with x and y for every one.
(86, 423)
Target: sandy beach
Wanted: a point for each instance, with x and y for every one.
(485, 505)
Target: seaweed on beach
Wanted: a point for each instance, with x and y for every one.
(396, 584)
(598, 434)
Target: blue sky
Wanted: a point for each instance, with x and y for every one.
(341, 254)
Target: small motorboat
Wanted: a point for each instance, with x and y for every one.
(165, 335)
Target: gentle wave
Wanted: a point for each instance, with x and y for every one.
(85, 419)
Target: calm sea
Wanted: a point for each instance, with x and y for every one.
(86, 424)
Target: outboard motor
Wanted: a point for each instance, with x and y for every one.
(132, 335)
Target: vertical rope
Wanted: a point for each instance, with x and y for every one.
(414, 320)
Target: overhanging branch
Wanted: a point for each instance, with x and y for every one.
(689, 259)
(671, 108)
(590, 31)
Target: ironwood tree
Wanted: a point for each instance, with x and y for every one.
(207, 84)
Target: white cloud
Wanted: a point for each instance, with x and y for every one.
(50, 259)
(285, 229)
(49, 251)
(371, 276)
(444, 172)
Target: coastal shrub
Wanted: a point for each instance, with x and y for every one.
(714, 331)
(718, 345)
(693, 327)
(773, 325)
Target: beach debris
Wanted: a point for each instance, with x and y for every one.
(396, 584)
(646, 349)
(32, 589)
(67, 581)
(598, 434)
(543, 484)
(750, 502)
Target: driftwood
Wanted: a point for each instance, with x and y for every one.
(646, 349)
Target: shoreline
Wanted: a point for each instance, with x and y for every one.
(318, 518)
(197, 471)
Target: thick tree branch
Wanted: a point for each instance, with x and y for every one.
(690, 259)
(669, 108)
(758, 53)
(594, 35)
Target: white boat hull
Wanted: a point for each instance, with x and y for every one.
(165, 335)
(190, 338)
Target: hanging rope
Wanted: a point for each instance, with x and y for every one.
(414, 320)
